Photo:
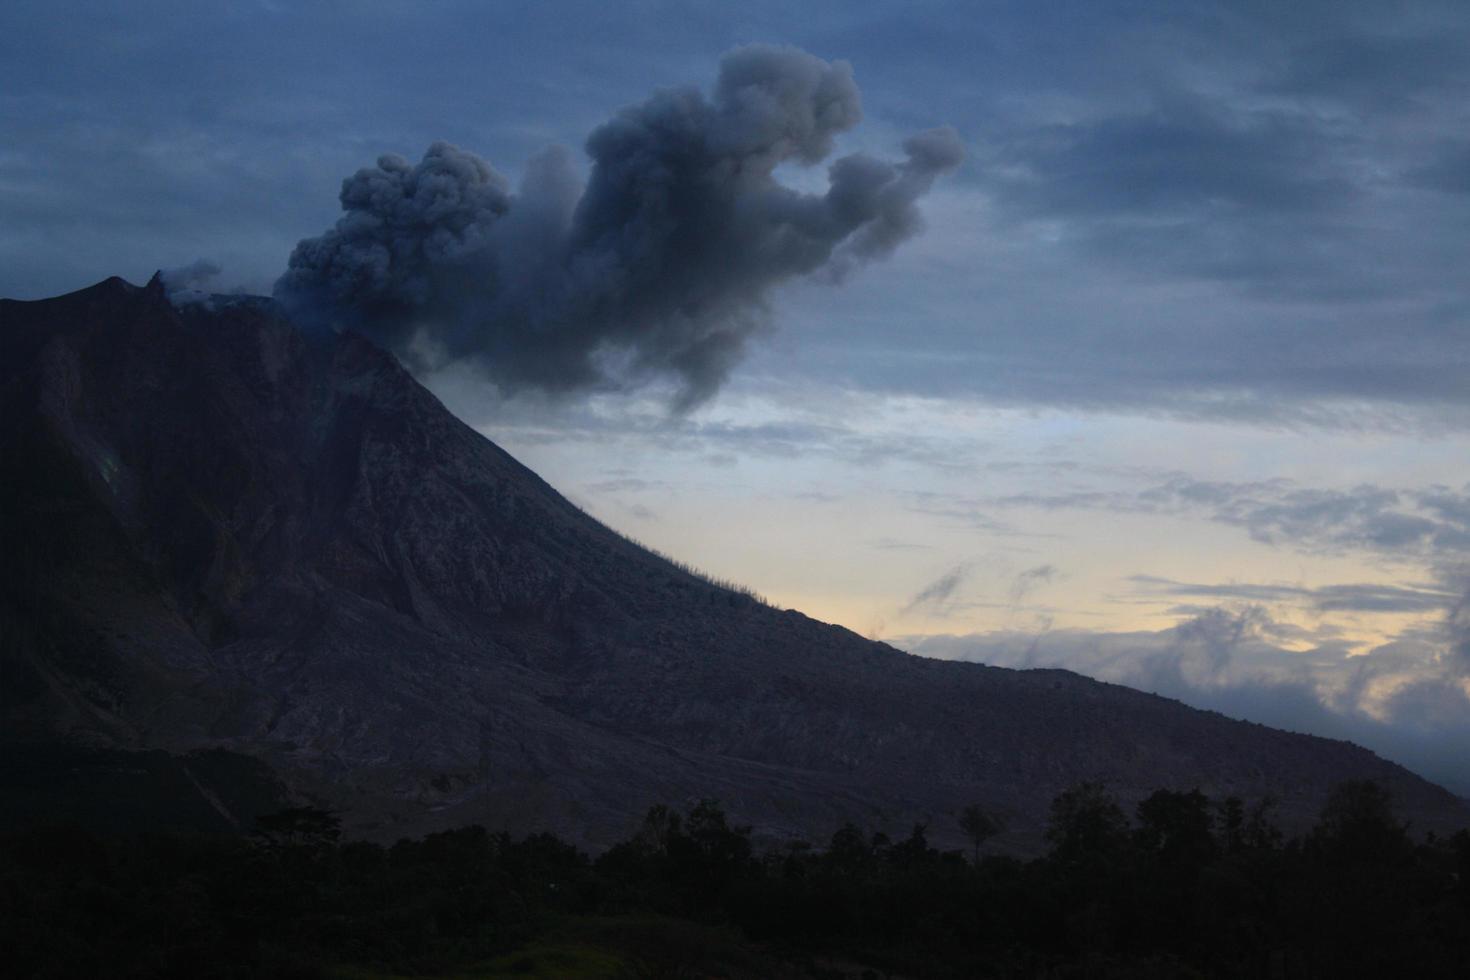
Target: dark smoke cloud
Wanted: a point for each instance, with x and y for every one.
(660, 265)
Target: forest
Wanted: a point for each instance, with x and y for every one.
(1184, 886)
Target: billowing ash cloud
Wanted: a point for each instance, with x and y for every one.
(660, 265)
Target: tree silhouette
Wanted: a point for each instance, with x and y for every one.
(979, 827)
(685, 896)
(1086, 824)
(1176, 827)
(1358, 822)
(305, 827)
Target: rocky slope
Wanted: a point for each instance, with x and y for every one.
(225, 534)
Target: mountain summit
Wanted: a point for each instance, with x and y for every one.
(223, 533)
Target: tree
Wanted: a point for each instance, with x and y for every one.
(979, 826)
(1358, 822)
(914, 850)
(305, 827)
(848, 852)
(659, 825)
(722, 846)
(1261, 832)
(1232, 824)
(1176, 827)
(708, 854)
(1086, 825)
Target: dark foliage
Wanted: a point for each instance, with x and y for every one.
(1190, 887)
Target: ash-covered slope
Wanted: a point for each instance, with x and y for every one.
(223, 533)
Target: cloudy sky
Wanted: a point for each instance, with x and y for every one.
(1172, 387)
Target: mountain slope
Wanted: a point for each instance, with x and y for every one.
(228, 534)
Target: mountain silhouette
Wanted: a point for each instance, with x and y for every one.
(227, 538)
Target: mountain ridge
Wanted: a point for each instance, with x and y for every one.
(230, 534)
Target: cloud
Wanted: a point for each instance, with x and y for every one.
(1424, 524)
(1403, 699)
(1241, 212)
(1029, 580)
(896, 544)
(623, 484)
(1183, 156)
(960, 513)
(1457, 621)
(1217, 632)
(189, 284)
(1447, 170)
(196, 274)
(936, 597)
(661, 265)
(1373, 68)
(1412, 524)
(808, 423)
(1351, 597)
(1458, 627)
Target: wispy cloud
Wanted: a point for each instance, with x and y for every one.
(1350, 597)
(1028, 581)
(1424, 524)
(936, 597)
(959, 512)
(895, 544)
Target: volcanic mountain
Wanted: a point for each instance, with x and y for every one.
(239, 555)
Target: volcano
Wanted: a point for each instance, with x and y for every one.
(246, 563)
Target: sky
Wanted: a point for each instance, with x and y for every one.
(1166, 382)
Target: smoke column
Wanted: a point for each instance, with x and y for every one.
(660, 265)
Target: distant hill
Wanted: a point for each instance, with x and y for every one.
(227, 538)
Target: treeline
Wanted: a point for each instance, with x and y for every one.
(1187, 887)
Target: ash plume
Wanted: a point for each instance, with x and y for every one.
(659, 265)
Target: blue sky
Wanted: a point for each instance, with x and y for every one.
(1173, 387)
